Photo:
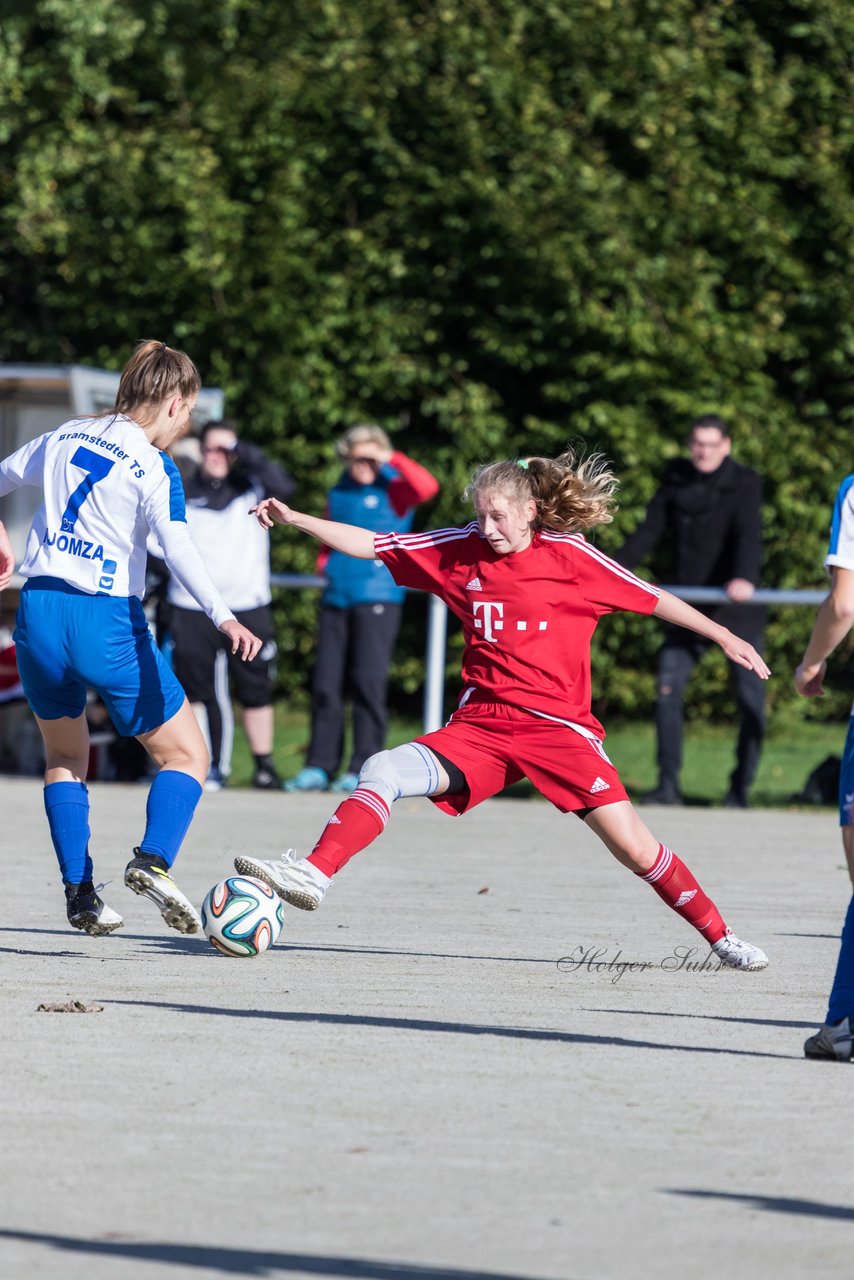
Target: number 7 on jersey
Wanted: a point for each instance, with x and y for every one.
(96, 466)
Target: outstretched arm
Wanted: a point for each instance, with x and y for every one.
(833, 621)
(671, 609)
(348, 538)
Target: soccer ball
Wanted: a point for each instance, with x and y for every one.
(242, 916)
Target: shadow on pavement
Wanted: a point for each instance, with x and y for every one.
(251, 1262)
(426, 955)
(773, 1204)
(452, 1028)
(834, 936)
(169, 942)
(710, 1017)
(196, 944)
(54, 955)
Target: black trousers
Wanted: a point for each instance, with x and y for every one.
(203, 663)
(354, 648)
(676, 660)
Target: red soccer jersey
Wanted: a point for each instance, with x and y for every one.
(528, 617)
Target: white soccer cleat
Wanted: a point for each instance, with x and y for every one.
(295, 880)
(731, 951)
(148, 875)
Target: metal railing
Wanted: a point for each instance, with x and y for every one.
(437, 628)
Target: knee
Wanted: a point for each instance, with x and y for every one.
(377, 766)
(191, 756)
(379, 775)
(195, 760)
(640, 857)
(75, 763)
(407, 770)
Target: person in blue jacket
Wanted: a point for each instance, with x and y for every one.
(360, 608)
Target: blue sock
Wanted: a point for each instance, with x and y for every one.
(171, 804)
(67, 807)
(842, 993)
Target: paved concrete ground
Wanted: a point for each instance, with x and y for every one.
(409, 1087)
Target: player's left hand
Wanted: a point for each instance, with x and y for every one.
(242, 639)
(738, 650)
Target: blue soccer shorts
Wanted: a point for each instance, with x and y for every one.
(67, 641)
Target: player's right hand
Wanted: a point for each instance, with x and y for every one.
(242, 639)
(809, 681)
(270, 511)
(738, 650)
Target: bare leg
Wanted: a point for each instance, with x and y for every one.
(622, 830)
(632, 843)
(258, 723)
(178, 744)
(200, 711)
(66, 745)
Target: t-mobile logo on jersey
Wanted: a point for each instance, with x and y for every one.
(489, 618)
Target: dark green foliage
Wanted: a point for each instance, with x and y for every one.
(491, 226)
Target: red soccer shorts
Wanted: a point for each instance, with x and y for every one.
(495, 745)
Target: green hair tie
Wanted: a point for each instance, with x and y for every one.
(523, 463)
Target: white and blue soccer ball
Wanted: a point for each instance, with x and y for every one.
(242, 916)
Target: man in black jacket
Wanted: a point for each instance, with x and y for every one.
(234, 475)
(710, 508)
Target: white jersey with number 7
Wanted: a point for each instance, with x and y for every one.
(105, 486)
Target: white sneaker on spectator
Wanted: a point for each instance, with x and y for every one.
(295, 880)
(731, 951)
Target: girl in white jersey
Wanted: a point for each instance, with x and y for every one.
(529, 590)
(80, 622)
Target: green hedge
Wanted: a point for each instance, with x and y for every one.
(491, 226)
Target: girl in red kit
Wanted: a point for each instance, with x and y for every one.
(529, 590)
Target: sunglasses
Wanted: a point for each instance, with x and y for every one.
(369, 462)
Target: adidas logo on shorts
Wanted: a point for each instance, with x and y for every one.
(600, 785)
(474, 585)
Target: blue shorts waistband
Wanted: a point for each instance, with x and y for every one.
(44, 583)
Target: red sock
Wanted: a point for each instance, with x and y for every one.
(356, 822)
(673, 882)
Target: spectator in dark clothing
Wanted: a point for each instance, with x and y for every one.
(233, 476)
(709, 509)
(360, 609)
